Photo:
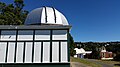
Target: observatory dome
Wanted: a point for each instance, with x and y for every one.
(45, 15)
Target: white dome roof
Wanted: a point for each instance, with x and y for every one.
(45, 15)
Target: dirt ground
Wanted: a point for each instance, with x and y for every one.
(77, 64)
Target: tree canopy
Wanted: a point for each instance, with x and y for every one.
(71, 45)
(12, 14)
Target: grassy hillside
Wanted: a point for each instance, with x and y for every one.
(84, 62)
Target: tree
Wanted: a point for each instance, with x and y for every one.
(71, 45)
(12, 14)
(19, 4)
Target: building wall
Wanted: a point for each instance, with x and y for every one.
(37, 65)
(34, 46)
(106, 55)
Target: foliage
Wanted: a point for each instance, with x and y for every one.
(117, 57)
(71, 45)
(95, 54)
(12, 14)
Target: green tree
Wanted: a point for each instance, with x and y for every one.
(19, 4)
(12, 14)
(71, 45)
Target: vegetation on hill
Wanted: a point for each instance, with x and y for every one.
(95, 48)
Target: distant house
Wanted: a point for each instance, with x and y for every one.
(105, 55)
(81, 53)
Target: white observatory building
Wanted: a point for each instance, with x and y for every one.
(42, 41)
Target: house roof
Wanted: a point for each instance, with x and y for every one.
(80, 51)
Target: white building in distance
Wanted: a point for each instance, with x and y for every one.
(80, 53)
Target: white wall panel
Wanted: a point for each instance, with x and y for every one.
(28, 52)
(50, 16)
(46, 52)
(3, 46)
(37, 52)
(58, 17)
(42, 35)
(59, 34)
(55, 51)
(11, 52)
(8, 35)
(25, 35)
(19, 52)
(43, 16)
(64, 53)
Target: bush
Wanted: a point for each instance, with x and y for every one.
(117, 57)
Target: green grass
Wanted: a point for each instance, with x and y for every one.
(85, 62)
(116, 66)
(110, 62)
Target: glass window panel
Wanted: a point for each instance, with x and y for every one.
(42, 35)
(8, 35)
(59, 35)
(25, 35)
